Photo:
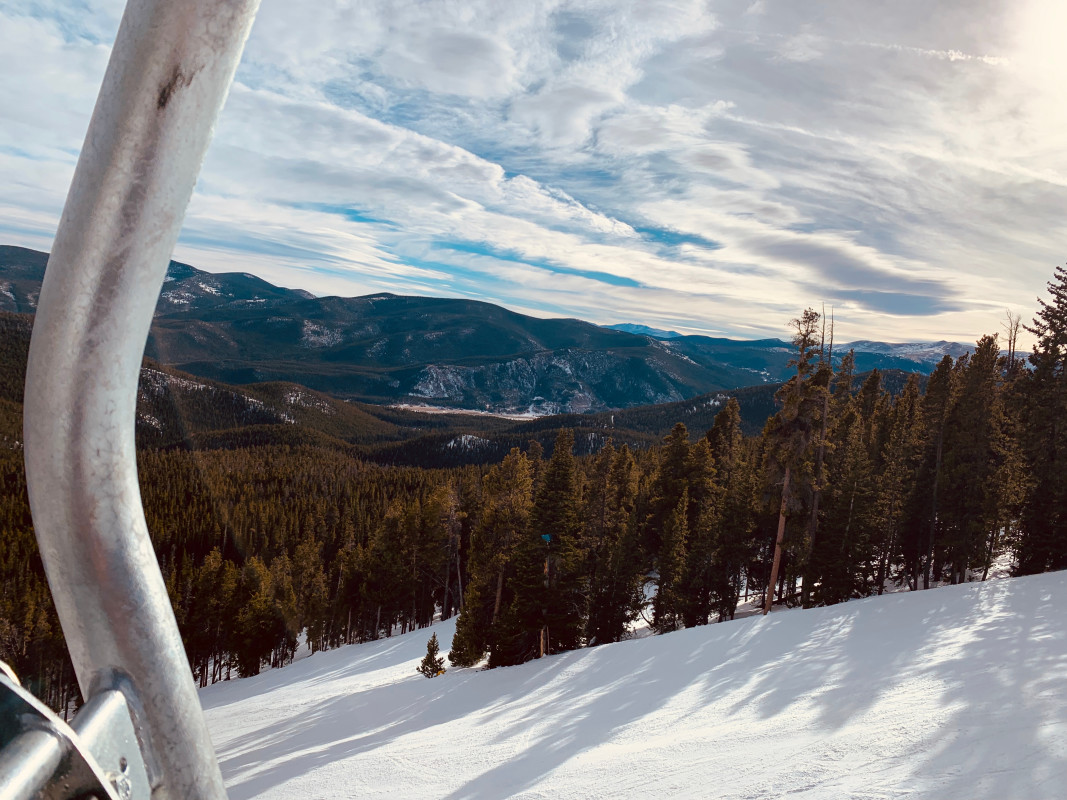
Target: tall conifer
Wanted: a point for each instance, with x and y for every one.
(1043, 527)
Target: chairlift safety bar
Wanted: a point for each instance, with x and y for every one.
(170, 70)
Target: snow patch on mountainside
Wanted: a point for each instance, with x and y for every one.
(155, 384)
(467, 442)
(315, 335)
(295, 397)
(954, 693)
(178, 298)
(913, 351)
(440, 383)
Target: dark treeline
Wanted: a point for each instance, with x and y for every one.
(258, 546)
(848, 489)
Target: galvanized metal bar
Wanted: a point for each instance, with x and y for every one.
(169, 72)
(28, 763)
(105, 732)
(43, 758)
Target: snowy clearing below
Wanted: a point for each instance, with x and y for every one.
(959, 692)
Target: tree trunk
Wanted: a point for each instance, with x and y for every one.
(813, 521)
(989, 552)
(499, 593)
(933, 515)
(446, 608)
(459, 582)
(769, 600)
(883, 568)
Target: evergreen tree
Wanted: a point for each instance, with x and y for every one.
(670, 480)
(976, 452)
(820, 390)
(924, 520)
(725, 437)
(899, 458)
(1043, 526)
(788, 457)
(615, 582)
(555, 515)
(843, 546)
(699, 580)
(432, 664)
(548, 603)
(668, 604)
(260, 625)
(286, 611)
(735, 547)
(503, 524)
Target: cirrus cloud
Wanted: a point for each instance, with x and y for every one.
(700, 166)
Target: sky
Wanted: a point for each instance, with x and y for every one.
(708, 167)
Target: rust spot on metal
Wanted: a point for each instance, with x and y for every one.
(178, 80)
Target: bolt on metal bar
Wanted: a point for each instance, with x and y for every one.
(169, 72)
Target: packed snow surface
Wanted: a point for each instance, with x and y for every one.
(959, 692)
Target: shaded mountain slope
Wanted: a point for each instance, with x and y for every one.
(238, 329)
(178, 409)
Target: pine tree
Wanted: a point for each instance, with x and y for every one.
(548, 598)
(668, 483)
(899, 457)
(432, 664)
(924, 508)
(555, 515)
(615, 585)
(669, 601)
(789, 434)
(843, 545)
(735, 547)
(699, 580)
(976, 450)
(1043, 526)
(503, 525)
(820, 389)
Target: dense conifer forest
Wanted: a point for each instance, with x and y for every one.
(851, 487)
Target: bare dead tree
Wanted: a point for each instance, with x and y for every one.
(1011, 327)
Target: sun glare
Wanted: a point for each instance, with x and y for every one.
(1040, 54)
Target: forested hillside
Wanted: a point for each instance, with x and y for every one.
(176, 409)
(457, 353)
(847, 488)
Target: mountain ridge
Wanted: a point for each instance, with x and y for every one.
(385, 348)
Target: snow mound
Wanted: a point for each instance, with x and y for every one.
(950, 693)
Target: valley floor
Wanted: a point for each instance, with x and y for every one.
(959, 692)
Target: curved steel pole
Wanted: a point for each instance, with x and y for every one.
(170, 69)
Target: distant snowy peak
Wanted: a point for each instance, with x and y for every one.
(912, 351)
(643, 330)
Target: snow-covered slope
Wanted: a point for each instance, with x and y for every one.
(958, 692)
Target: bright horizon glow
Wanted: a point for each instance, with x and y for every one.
(706, 167)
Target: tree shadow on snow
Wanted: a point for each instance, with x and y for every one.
(992, 679)
(988, 663)
(589, 693)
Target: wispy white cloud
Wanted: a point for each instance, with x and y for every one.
(694, 166)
